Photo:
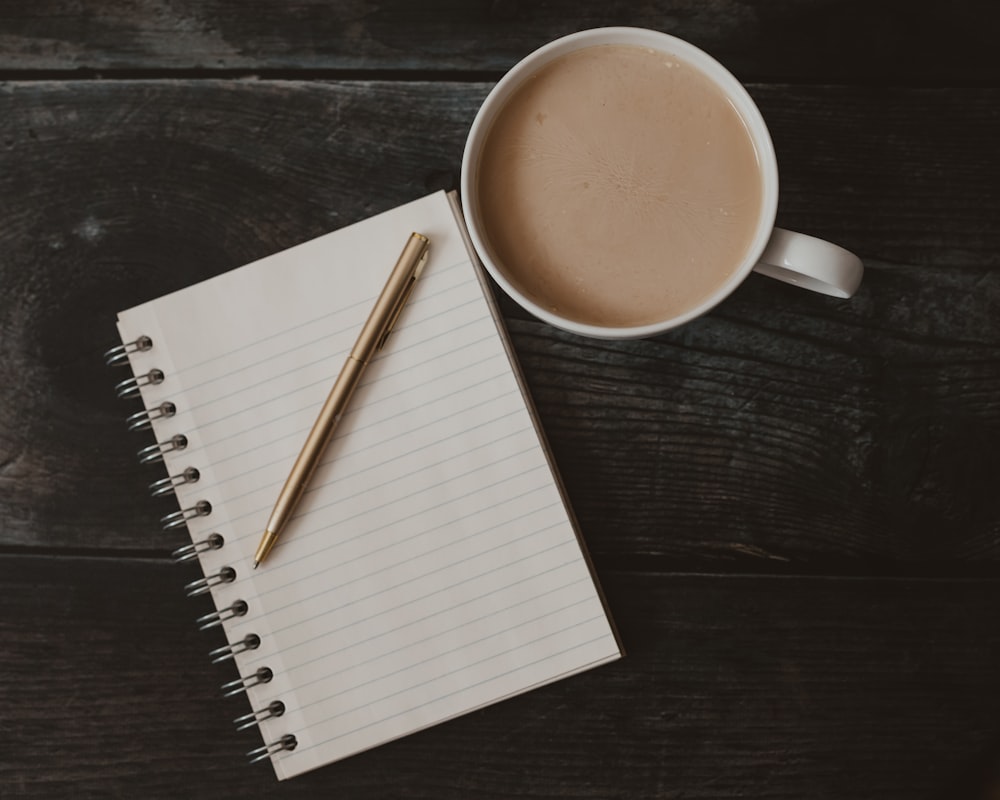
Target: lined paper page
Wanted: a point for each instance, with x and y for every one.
(431, 567)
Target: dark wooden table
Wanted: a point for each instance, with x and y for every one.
(793, 503)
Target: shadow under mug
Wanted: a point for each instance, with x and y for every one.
(790, 257)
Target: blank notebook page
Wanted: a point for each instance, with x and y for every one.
(432, 567)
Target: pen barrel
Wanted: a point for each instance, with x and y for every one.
(320, 435)
(373, 335)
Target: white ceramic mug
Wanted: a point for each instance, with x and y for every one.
(791, 257)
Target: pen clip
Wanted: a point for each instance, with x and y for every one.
(401, 302)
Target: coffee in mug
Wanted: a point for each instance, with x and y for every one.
(618, 186)
(619, 182)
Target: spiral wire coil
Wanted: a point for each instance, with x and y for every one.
(286, 742)
(141, 421)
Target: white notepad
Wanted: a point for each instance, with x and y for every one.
(433, 566)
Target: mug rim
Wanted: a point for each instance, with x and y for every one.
(643, 37)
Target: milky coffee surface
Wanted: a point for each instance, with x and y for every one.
(618, 186)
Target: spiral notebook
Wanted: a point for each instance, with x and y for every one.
(433, 567)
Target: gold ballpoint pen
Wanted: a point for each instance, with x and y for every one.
(371, 339)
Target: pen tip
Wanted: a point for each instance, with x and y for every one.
(256, 564)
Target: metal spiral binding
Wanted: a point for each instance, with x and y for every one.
(233, 688)
(118, 356)
(249, 642)
(177, 519)
(189, 552)
(167, 485)
(286, 742)
(143, 420)
(130, 386)
(155, 452)
(203, 585)
(237, 609)
(274, 709)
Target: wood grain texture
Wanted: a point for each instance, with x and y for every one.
(739, 686)
(785, 431)
(816, 40)
(830, 444)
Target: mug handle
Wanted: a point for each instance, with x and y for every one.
(811, 263)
